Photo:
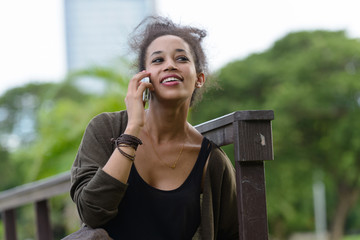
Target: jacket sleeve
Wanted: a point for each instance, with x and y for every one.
(228, 219)
(220, 198)
(96, 194)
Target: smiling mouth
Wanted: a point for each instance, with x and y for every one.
(171, 79)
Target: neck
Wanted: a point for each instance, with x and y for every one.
(166, 123)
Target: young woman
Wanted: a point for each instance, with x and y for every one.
(158, 178)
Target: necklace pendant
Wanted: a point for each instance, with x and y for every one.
(173, 166)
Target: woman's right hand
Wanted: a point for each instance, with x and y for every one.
(134, 103)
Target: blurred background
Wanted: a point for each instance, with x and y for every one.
(64, 61)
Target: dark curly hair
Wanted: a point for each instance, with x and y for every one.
(153, 27)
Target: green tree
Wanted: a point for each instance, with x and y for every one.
(58, 114)
(19, 107)
(311, 81)
(19, 125)
(68, 117)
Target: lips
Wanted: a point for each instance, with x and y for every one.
(170, 79)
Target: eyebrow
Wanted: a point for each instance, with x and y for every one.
(159, 52)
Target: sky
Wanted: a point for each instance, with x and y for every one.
(32, 42)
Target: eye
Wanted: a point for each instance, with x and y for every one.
(182, 59)
(157, 60)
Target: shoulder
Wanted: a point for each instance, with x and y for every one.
(109, 118)
(218, 158)
(106, 125)
(219, 164)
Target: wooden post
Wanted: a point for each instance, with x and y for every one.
(252, 146)
(9, 219)
(43, 226)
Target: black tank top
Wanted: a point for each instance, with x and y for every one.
(149, 213)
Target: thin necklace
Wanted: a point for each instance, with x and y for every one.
(173, 166)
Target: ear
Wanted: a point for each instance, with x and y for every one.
(200, 80)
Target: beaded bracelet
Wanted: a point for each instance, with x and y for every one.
(126, 140)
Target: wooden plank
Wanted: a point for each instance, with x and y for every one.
(254, 115)
(221, 136)
(233, 117)
(254, 141)
(251, 198)
(9, 219)
(215, 123)
(35, 191)
(43, 226)
(252, 146)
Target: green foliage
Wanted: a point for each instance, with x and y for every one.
(2, 232)
(352, 237)
(25, 217)
(58, 115)
(311, 81)
(19, 108)
(15, 101)
(61, 118)
(65, 219)
(7, 180)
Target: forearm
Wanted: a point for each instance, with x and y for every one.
(119, 165)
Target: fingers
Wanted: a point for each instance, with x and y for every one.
(134, 102)
(136, 87)
(144, 85)
(135, 81)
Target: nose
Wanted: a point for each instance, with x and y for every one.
(170, 65)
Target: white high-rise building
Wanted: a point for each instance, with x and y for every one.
(97, 30)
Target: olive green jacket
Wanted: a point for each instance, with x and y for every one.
(97, 194)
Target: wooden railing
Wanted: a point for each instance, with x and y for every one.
(249, 131)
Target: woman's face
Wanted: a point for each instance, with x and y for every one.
(171, 64)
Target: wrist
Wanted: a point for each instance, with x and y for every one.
(127, 141)
(132, 130)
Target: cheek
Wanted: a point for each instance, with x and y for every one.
(151, 70)
(193, 74)
(153, 73)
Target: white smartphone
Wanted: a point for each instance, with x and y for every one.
(146, 93)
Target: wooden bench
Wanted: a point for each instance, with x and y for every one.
(249, 131)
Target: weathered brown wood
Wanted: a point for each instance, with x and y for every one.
(252, 146)
(234, 117)
(254, 141)
(251, 200)
(221, 136)
(254, 115)
(9, 220)
(43, 226)
(221, 130)
(36, 191)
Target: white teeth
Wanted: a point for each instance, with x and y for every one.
(171, 79)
